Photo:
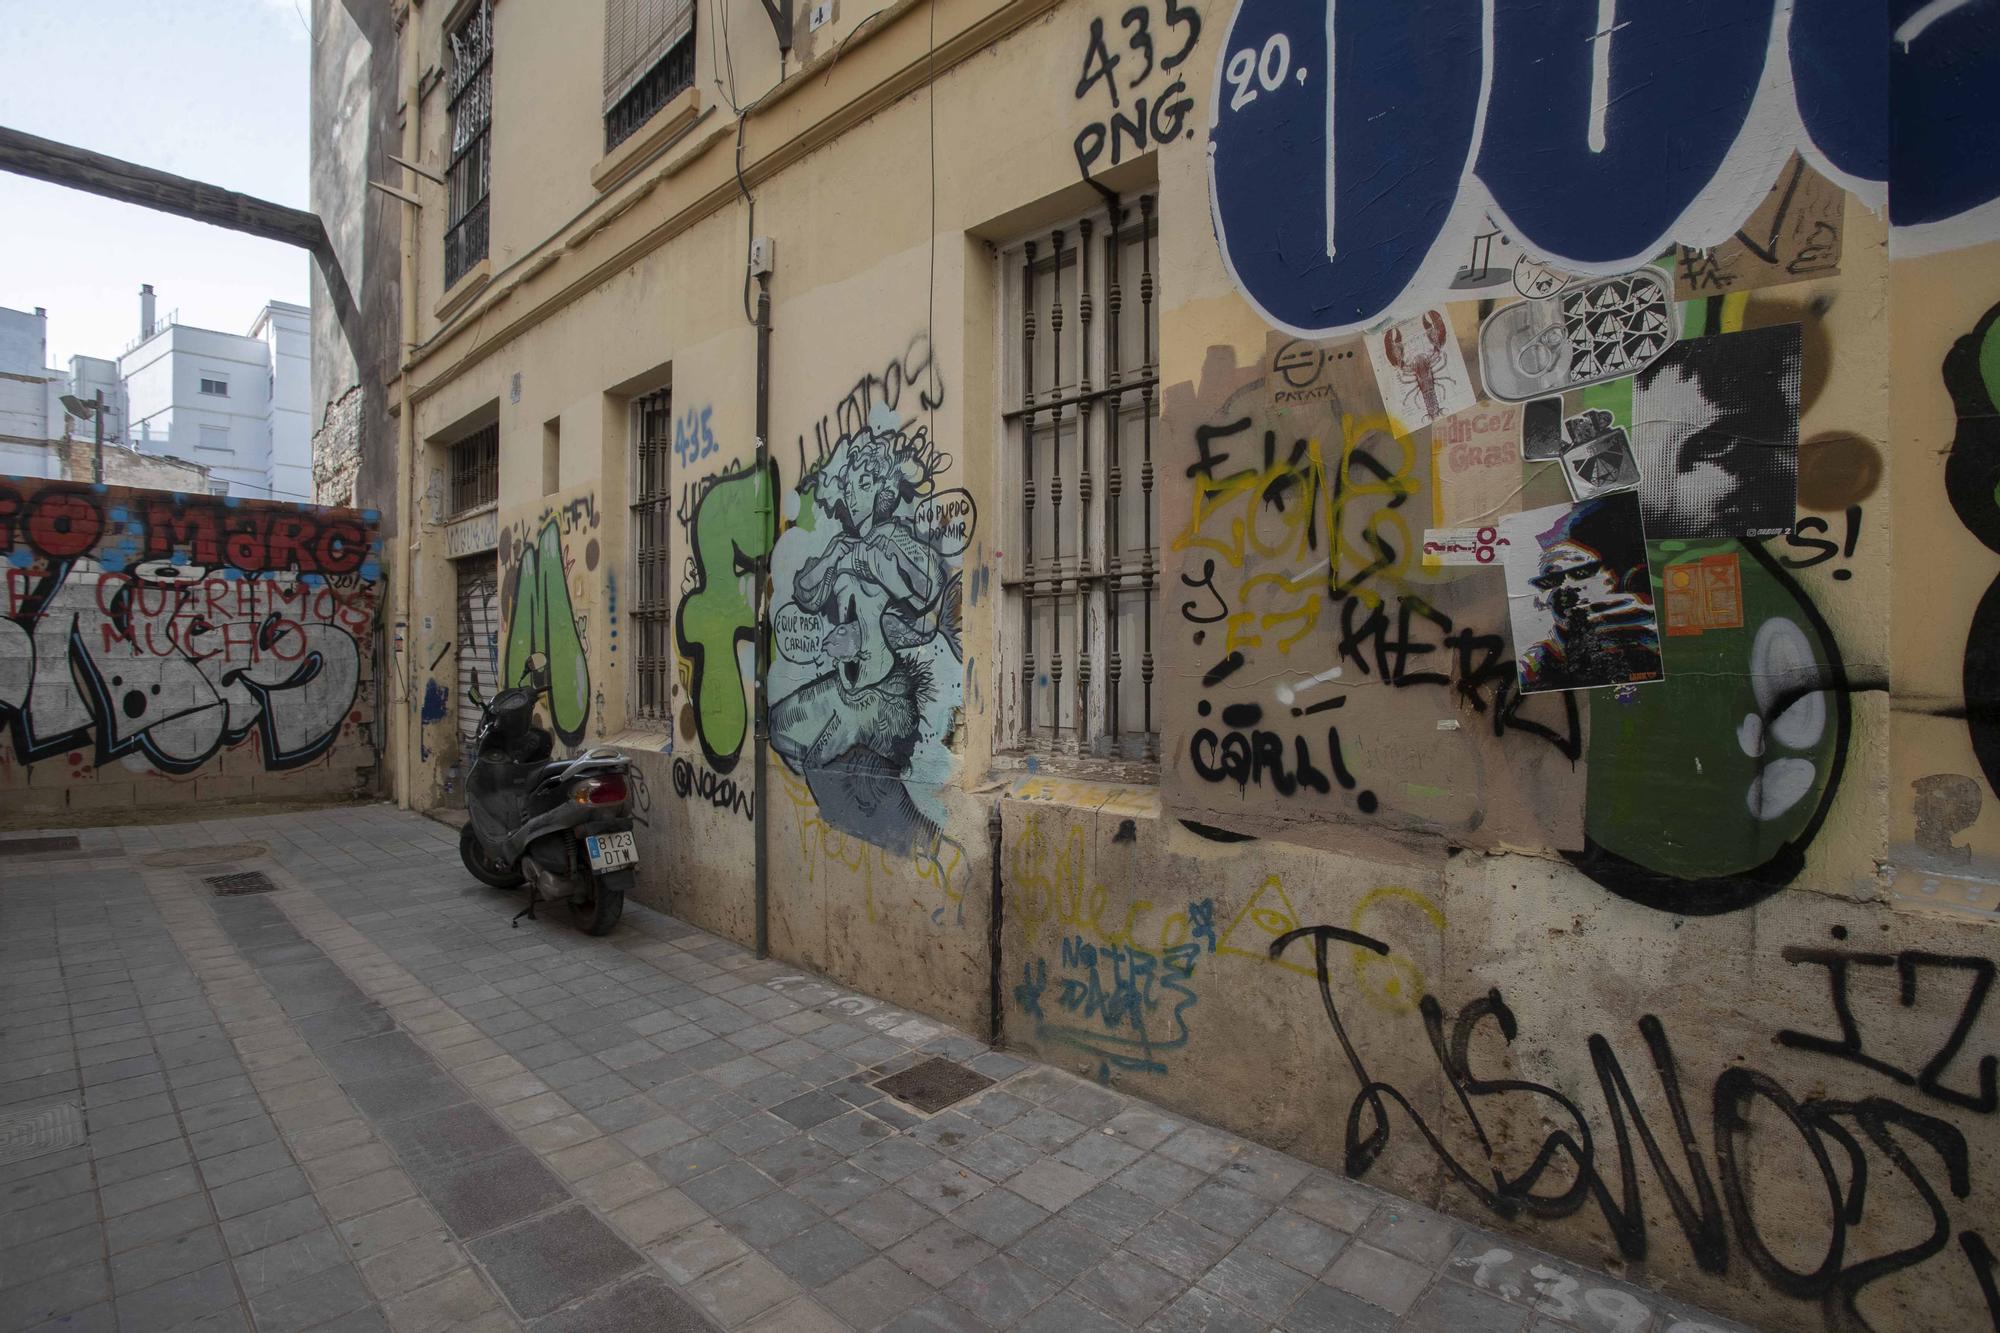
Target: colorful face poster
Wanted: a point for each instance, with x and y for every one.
(1715, 423)
(1579, 595)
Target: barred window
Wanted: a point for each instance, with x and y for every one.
(1081, 348)
(475, 470)
(469, 177)
(648, 61)
(649, 616)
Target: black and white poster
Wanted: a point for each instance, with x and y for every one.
(1579, 596)
(1598, 459)
(1715, 424)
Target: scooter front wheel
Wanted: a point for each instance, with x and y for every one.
(598, 914)
(483, 868)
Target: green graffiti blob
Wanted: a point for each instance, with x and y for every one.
(544, 650)
(735, 522)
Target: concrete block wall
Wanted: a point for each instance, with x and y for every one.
(159, 648)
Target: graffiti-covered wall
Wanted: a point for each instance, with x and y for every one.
(158, 647)
(1546, 571)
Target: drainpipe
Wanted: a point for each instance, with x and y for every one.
(995, 1014)
(406, 431)
(761, 737)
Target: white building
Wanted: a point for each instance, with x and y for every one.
(31, 392)
(235, 403)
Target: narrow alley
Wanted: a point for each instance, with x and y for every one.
(302, 1072)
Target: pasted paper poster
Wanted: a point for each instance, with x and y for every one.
(1579, 595)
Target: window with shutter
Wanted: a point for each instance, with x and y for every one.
(648, 61)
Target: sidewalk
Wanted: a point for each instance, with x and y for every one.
(364, 1100)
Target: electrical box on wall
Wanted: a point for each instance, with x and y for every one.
(763, 255)
(819, 15)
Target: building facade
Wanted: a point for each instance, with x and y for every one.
(237, 404)
(1417, 589)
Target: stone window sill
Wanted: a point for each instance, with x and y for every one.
(618, 165)
(470, 283)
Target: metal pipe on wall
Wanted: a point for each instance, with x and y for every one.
(761, 733)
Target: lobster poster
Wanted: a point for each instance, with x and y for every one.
(1420, 370)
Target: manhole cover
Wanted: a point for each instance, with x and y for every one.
(230, 886)
(202, 856)
(31, 846)
(934, 1084)
(51, 1129)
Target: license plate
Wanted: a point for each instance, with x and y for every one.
(610, 850)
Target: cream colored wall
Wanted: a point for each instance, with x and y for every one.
(1472, 874)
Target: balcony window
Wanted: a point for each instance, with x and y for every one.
(470, 175)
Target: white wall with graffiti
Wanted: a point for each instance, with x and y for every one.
(158, 648)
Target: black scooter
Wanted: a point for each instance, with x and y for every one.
(562, 826)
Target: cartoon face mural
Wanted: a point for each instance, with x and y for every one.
(869, 661)
(167, 627)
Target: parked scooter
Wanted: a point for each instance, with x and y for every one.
(562, 826)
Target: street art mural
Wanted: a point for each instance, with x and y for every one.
(547, 634)
(1473, 111)
(731, 521)
(868, 670)
(163, 629)
(1972, 483)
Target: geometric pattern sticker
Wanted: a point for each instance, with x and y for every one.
(1617, 327)
(51, 1129)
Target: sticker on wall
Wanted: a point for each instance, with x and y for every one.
(1579, 595)
(1420, 369)
(1793, 236)
(1704, 594)
(1476, 465)
(1587, 333)
(1536, 280)
(1716, 431)
(1542, 430)
(1463, 546)
(1598, 459)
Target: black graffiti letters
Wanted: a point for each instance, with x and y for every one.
(1565, 1172)
(1909, 968)
(1151, 118)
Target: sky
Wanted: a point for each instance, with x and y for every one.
(217, 90)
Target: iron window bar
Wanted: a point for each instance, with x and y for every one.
(475, 470)
(1097, 574)
(469, 176)
(650, 616)
(672, 76)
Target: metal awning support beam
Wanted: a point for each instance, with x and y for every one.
(162, 191)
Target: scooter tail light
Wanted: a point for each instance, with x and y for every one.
(599, 791)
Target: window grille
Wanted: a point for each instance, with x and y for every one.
(470, 175)
(649, 616)
(648, 61)
(475, 470)
(1082, 351)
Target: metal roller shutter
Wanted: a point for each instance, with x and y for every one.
(478, 640)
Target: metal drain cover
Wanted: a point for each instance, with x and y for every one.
(230, 886)
(32, 846)
(50, 1129)
(934, 1084)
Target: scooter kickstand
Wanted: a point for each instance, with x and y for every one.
(528, 912)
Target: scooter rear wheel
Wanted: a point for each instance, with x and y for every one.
(599, 914)
(488, 872)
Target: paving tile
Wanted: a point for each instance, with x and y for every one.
(129, 1196)
(699, 1249)
(739, 1291)
(1451, 1308)
(1296, 1241)
(657, 1216)
(386, 1228)
(1200, 1311)
(1225, 1208)
(1180, 1244)
(1060, 1249)
(886, 1217)
(438, 1143)
(794, 1158)
(1378, 1277)
(819, 1254)
(728, 1186)
(1045, 1130)
(548, 1261)
(1324, 1309)
(247, 1196)
(232, 1137)
(365, 1194)
(1412, 1231)
(1334, 1201)
(51, 1254)
(1161, 1179)
(872, 1294)
(410, 1265)
(1111, 1212)
(998, 1156)
(644, 1304)
(143, 1227)
(1067, 1314)
(178, 1301)
(850, 1132)
(1001, 1289)
(288, 1261)
(940, 1252)
(453, 1301)
(836, 1186)
(310, 1301)
(1127, 1287)
(267, 1226)
(1051, 1185)
(411, 1091)
(53, 1295)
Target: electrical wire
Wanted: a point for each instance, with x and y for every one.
(930, 106)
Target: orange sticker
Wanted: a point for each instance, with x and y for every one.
(1704, 594)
